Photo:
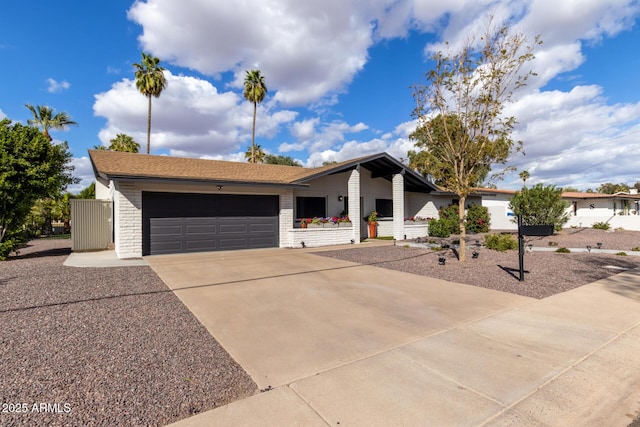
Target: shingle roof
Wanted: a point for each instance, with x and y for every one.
(111, 164)
(118, 165)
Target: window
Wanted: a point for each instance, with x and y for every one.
(309, 207)
(384, 207)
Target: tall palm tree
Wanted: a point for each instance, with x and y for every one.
(150, 81)
(256, 153)
(524, 176)
(44, 118)
(255, 91)
(125, 143)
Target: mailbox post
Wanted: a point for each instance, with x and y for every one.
(529, 230)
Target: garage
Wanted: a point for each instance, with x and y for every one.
(193, 222)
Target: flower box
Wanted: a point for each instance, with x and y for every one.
(345, 224)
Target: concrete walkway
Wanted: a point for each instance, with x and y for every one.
(350, 345)
(100, 259)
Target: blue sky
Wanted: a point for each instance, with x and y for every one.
(338, 73)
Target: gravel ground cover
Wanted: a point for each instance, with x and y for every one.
(103, 346)
(547, 273)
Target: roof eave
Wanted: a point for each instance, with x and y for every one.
(115, 177)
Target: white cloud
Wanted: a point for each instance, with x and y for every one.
(310, 51)
(57, 87)
(84, 172)
(190, 117)
(2, 115)
(576, 137)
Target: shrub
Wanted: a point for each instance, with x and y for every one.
(478, 219)
(540, 205)
(563, 250)
(635, 249)
(601, 226)
(439, 228)
(622, 254)
(500, 242)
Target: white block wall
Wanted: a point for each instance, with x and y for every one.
(314, 237)
(286, 218)
(128, 220)
(353, 191)
(398, 206)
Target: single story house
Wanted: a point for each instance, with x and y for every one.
(619, 210)
(165, 204)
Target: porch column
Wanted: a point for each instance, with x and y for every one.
(398, 205)
(353, 189)
(285, 237)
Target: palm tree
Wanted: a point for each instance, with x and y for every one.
(44, 118)
(255, 154)
(524, 176)
(254, 91)
(150, 81)
(124, 143)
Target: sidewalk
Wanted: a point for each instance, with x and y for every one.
(570, 359)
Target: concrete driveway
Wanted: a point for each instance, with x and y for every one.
(360, 345)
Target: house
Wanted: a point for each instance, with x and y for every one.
(619, 210)
(164, 204)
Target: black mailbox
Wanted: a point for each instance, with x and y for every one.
(536, 230)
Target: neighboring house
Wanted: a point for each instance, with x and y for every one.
(585, 209)
(164, 204)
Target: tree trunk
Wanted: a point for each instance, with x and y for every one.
(149, 127)
(253, 134)
(462, 255)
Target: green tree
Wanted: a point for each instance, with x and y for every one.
(124, 143)
(150, 81)
(467, 90)
(44, 119)
(610, 188)
(255, 90)
(87, 193)
(272, 159)
(540, 205)
(524, 176)
(435, 155)
(570, 190)
(255, 154)
(31, 168)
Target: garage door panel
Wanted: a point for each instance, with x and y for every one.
(200, 245)
(200, 229)
(171, 223)
(233, 229)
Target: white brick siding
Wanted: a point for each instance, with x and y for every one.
(128, 220)
(398, 206)
(313, 237)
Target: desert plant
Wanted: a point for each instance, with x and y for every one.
(500, 242)
(621, 254)
(563, 250)
(635, 249)
(600, 226)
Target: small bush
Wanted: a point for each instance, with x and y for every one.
(621, 254)
(563, 250)
(636, 249)
(439, 228)
(601, 226)
(500, 242)
(436, 248)
(553, 243)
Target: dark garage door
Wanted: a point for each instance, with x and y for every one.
(180, 222)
